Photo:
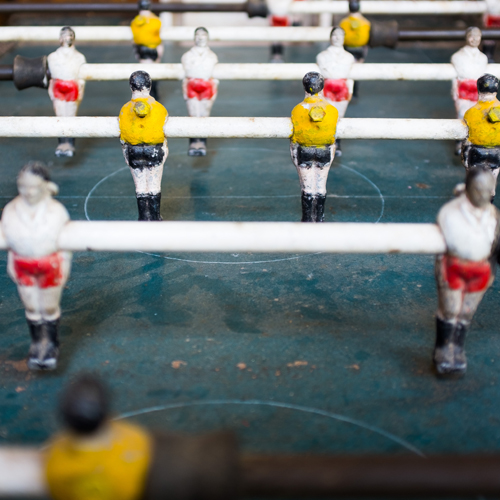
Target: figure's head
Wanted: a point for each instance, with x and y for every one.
(66, 37)
(84, 405)
(140, 81)
(473, 37)
(337, 36)
(353, 5)
(144, 5)
(34, 184)
(479, 186)
(487, 84)
(313, 82)
(201, 37)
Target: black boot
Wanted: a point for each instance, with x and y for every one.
(308, 202)
(460, 361)
(489, 50)
(154, 91)
(338, 149)
(320, 208)
(155, 206)
(277, 53)
(36, 333)
(444, 350)
(355, 90)
(66, 147)
(50, 346)
(143, 207)
(197, 147)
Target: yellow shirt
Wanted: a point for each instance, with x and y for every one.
(146, 30)
(483, 120)
(115, 470)
(142, 120)
(357, 30)
(314, 122)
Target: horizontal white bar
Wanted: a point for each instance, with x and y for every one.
(365, 71)
(212, 127)
(268, 237)
(434, 7)
(21, 473)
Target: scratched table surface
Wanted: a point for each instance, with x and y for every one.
(308, 353)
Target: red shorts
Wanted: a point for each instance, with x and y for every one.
(466, 275)
(336, 90)
(280, 21)
(491, 21)
(65, 90)
(45, 271)
(200, 89)
(467, 89)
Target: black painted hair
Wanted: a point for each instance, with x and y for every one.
(84, 404)
(68, 28)
(144, 4)
(487, 84)
(336, 28)
(36, 168)
(201, 28)
(313, 82)
(354, 6)
(140, 80)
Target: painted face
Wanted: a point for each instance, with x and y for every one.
(201, 38)
(67, 38)
(337, 38)
(474, 38)
(32, 188)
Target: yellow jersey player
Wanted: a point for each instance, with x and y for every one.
(97, 458)
(144, 144)
(312, 146)
(146, 28)
(481, 148)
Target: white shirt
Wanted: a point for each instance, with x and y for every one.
(33, 231)
(335, 62)
(469, 232)
(65, 62)
(469, 63)
(199, 62)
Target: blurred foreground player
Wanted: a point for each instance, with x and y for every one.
(481, 148)
(470, 227)
(470, 64)
(198, 87)
(31, 224)
(65, 88)
(102, 459)
(146, 28)
(312, 146)
(335, 64)
(144, 144)
(357, 35)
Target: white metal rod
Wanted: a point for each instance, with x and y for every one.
(212, 127)
(367, 71)
(280, 237)
(21, 473)
(434, 7)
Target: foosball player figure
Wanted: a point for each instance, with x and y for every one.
(198, 87)
(357, 35)
(144, 144)
(470, 227)
(146, 28)
(491, 19)
(103, 459)
(335, 64)
(31, 224)
(312, 146)
(65, 88)
(470, 64)
(481, 148)
(279, 17)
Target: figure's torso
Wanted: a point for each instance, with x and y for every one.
(65, 62)
(357, 30)
(199, 62)
(335, 62)
(469, 63)
(482, 131)
(146, 29)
